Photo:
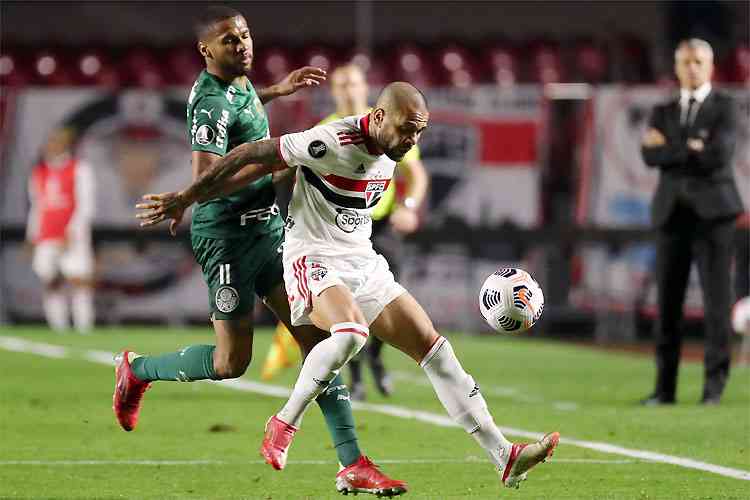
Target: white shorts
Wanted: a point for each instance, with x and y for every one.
(52, 259)
(366, 276)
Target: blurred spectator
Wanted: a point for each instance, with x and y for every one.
(59, 229)
(691, 140)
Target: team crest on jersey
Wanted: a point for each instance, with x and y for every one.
(373, 192)
(318, 271)
(317, 149)
(227, 299)
(205, 135)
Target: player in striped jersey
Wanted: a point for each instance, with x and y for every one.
(236, 235)
(334, 278)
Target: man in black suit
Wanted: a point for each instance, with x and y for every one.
(691, 140)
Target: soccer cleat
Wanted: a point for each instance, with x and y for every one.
(276, 442)
(523, 457)
(126, 400)
(363, 476)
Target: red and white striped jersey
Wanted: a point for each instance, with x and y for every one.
(341, 177)
(62, 200)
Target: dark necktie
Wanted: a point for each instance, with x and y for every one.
(688, 116)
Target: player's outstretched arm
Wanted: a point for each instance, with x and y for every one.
(263, 155)
(307, 76)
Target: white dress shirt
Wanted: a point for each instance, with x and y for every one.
(699, 95)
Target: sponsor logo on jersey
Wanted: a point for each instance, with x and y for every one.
(349, 220)
(222, 124)
(361, 169)
(207, 111)
(227, 299)
(317, 149)
(230, 94)
(373, 191)
(289, 224)
(205, 135)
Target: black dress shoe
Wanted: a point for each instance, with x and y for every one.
(711, 400)
(657, 400)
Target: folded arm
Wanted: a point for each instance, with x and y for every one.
(657, 149)
(717, 150)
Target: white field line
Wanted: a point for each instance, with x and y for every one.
(426, 461)
(512, 393)
(21, 345)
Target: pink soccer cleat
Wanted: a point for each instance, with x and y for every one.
(363, 476)
(126, 400)
(523, 457)
(276, 442)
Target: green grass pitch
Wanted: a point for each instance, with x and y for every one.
(59, 439)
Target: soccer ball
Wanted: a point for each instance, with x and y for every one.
(511, 300)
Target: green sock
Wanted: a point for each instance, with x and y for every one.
(337, 410)
(195, 362)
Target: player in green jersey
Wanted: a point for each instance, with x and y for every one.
(236, 237)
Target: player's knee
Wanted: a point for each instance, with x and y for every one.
(232, 365)
(350, 337)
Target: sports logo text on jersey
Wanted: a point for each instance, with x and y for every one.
(349, 220)
(317, 149)
(205, 135)
(373, 191)
(230, 94)
(222, 124)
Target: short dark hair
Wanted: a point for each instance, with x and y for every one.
(212, 15)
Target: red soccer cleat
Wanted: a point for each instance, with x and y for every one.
(126, 400)
(363, 476)
(523, 457)
(276, 442)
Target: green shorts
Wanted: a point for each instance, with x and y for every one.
(236, 269)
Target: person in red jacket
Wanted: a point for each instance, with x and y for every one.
(61, 189)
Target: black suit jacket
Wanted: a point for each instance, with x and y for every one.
(705, 180)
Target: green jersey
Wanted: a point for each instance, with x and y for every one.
(221, 116)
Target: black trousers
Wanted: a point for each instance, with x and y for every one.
(683, 239)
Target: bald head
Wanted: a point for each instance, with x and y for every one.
(402, 96)
(400, 116)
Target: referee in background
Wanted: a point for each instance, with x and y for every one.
(392, 218)
(691, 140)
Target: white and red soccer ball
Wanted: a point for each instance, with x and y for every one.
(511, 301)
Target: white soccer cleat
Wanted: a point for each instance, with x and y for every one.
(523, 457)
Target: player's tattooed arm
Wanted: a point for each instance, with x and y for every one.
(258, 159)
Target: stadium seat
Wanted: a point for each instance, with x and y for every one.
(546, 63)
(374, 67)
(634, 63)
(591, 62)
(183, 65)
(412, 64)
(320, 56)
(271, 64)
(141, 68)
(456, 66)
(501, 64)
(94, 67)
(738, 67)
(13, 70)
